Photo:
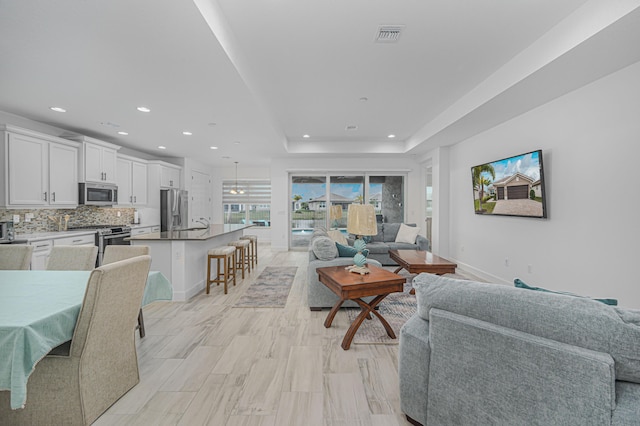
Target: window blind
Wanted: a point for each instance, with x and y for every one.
(255, 192)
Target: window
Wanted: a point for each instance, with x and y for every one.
(252, 207)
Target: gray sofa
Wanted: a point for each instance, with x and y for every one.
(318, 295)
(480, 354)
(380, 244)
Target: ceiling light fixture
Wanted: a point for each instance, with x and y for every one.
(162, 147)
(391, 136)
(363, 99)
(187, 133)
(213, 147)
(123, 133)
(143, 109)
(306, 136)
(57, 109)
(236, 190)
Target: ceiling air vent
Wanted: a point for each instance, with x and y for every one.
(388, 33)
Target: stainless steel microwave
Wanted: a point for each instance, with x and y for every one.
(98, 194)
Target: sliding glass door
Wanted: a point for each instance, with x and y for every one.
(323, 201)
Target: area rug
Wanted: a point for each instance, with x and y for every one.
(270, 289)
(396, 308)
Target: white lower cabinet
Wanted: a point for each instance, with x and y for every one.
(41, 252)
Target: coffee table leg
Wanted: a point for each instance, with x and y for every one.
(367, 308)
(332, 313)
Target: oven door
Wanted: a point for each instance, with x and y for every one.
(111, 240)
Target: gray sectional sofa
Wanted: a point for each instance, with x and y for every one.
(320, 255)
(480, 354)
(380, 244)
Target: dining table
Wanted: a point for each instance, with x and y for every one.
(38, 312)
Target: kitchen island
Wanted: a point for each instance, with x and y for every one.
(181, 256)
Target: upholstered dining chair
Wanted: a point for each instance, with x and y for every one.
(76, 382)
(116, 253)
(72, 258)
(15, 256)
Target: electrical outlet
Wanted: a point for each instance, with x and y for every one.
(506, 262)
(462, 249)
(16, 218)
(118, 214)
(28, 217)
(529, 268)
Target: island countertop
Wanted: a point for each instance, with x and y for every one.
(215, 230)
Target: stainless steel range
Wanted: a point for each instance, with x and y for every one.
(107, 235)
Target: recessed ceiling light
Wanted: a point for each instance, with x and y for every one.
(236, 142)
(213, 147)
(143, 109)
(162, 147)
(351, 127)
(364, 99)
(186, 133)
(226, 157)
(123, 133)
(391, 136)
(211, 124)
(306, 136)
(57, 109)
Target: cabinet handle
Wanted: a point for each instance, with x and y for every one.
(131, 198)
(135, 198)
(45, 196)
(170, 183)
(53, 196)
(77, 241)
(42, 245)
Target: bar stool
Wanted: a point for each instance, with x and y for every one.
(242, 255)
(227, 255)
(253, 250)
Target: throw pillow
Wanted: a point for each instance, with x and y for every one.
(324, 248)
(348, 251)
(407, 234)
(338, 237)
(520, 284)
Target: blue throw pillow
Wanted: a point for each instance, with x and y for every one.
(348, 251)
(520, 284)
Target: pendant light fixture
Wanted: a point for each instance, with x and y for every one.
(236, 190)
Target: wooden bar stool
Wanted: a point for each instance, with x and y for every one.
(253, 250)
(227, 256)
(242, 255)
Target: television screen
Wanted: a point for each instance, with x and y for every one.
(512, 186)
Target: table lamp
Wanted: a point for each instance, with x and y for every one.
(361, 221)
(335, 213)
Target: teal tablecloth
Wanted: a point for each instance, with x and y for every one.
(38, 311)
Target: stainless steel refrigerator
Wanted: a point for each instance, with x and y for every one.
(174, 210)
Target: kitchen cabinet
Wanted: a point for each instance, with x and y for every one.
(98, 160)
(132, 181)
(169, 177)
(42, 170)
(40, 255)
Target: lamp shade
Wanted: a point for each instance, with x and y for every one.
(361, 219)
(336, 212)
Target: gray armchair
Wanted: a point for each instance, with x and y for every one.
(78, 381)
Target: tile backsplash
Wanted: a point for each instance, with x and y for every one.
(81, 216)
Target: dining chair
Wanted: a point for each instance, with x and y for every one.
(79, 380)
(15, 256)
(116, 253)
(72, 258)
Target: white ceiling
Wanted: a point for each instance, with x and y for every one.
(253, 76)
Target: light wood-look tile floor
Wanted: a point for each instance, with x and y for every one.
(204, 362)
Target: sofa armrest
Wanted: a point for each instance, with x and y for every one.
(423, 243)
(482, 373)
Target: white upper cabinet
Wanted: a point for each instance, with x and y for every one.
(132, 181)
(98, 162)
(42, 170)
(170, 177)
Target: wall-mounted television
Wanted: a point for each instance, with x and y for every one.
(512, 186)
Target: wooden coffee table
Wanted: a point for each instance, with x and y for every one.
(350, 286)
(417, 261)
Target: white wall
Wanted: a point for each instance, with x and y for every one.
(281, 199)
(591, 151)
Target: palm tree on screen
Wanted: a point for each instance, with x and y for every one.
(479, 181)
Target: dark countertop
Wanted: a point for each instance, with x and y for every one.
(214, 230)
